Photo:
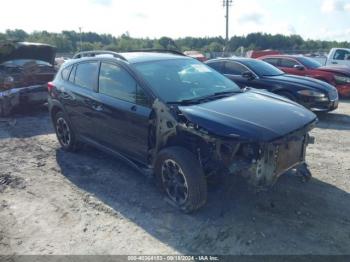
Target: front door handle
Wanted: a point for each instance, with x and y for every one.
(133, 108)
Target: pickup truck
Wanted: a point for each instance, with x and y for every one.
(338, 56)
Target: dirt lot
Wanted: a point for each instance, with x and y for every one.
(52, 202)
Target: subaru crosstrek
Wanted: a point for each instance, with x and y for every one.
(175, 116)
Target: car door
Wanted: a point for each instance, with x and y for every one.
(340, 57)
(124, 111)
(289, 66)
(78, 97)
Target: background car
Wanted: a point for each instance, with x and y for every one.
(25, 70)
(313, 94)
(196, 54)
(338, 76)
(174, 115)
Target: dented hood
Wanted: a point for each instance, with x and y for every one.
(253, 115)
(24, 50)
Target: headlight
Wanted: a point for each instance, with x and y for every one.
(342, 79)
(311, 93)
(8, 82)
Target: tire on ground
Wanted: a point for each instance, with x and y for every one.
(194, 175)
(73, 144)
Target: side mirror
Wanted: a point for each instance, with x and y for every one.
(248, 75)
(299, 67)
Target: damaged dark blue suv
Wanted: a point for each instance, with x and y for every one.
(172, 115)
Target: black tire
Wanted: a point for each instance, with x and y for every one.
(288, 95)
(65, 133)
(181, 178)
(5, 108)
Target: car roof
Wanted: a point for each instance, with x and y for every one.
(129, 57)
(139, 57)
(236, 59)
(282, 56)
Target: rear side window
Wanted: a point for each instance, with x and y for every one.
(289, 63)
(65, 72)
(116, 82)
(272, 61)
(86, 75)
(233, 68)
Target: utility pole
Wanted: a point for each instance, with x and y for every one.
(227, 4)
(81, 43)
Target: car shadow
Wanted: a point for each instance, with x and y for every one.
(333, 120)
(21, 122)
(291, 218)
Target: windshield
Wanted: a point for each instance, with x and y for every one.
(309, 63)
(24, 62)
(184, 79)
(262, 68)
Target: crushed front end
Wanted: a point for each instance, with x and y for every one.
(262, 163)
(261, 159)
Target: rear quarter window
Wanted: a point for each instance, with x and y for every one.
(65, 72)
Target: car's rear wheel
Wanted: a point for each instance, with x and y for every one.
(181, 178)
(64, 132)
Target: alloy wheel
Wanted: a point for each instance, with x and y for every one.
(174, 182)
(63, 131)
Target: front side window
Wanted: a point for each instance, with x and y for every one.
(309, 62)
(116, 82)
(86, 75)
(176, 80)
(232, 68)
(288, 63)
(262, 68)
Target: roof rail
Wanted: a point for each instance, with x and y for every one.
(98, 52)
(170, 51)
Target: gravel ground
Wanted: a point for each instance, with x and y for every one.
(53, 202)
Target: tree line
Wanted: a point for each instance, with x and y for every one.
(72, 41)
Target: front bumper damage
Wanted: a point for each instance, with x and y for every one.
(261, 163)
(272, 159)
(12, 98)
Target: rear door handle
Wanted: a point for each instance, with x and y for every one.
(133, 108)
(66, 95)
(98, 108)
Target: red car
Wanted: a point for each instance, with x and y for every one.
(338, 76)
(197, 55)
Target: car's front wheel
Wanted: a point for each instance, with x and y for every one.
(64, 132)
(181, 178)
